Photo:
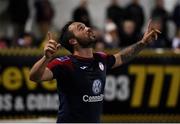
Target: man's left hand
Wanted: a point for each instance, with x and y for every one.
(150, 34)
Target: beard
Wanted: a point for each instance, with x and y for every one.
(88, 42)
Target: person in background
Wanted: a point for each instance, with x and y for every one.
(99, 46)
(5, 23)
(176, 15)
(25, 40)
(18, 11)
(176, 40)
(129, 34)
(115, 13)
(81, 13)
(100, 43)
(176, 20)
(111, 35)
(44, 16)
(135, 12)
(160, 13)
(4, 43)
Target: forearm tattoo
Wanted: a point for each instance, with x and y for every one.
(130, 52)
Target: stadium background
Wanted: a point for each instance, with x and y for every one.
(144, 90)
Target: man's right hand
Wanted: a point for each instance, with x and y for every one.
(51, 47)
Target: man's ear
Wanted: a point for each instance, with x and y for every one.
(73, 41)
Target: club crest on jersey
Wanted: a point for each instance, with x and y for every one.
(96, 87)
(101, 66)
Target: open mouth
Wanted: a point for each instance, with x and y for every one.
(91, 34)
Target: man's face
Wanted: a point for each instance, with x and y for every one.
(84, 35)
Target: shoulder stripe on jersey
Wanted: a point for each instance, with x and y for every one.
(64, 62)
(54, 63)
(102, 54)
(63, 58)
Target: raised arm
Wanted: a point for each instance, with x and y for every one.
(39, 71)
(130, 52)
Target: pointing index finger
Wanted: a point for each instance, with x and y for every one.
(49, 36)
(149, 25)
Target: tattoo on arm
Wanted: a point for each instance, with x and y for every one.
(130, 52)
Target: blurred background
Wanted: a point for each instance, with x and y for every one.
(144, 90)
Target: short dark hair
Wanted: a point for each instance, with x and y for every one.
(65, 36)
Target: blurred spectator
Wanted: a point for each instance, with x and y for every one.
(19, 12)
(4, 43)
(129, 34)
(159, 13)
(100, 46)
(81, 13)
(176, 15)
(111, 35)
(135, 12)
(115, 13)
(4, 18)
(26, 40)
(176, 40)
(44, 16)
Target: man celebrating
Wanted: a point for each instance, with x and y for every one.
(81, 76)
